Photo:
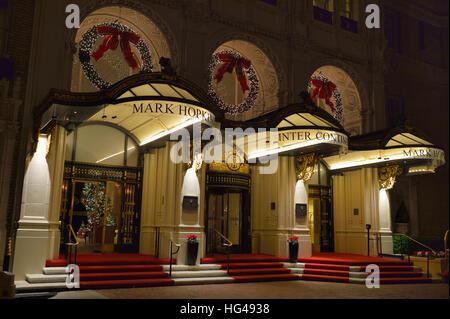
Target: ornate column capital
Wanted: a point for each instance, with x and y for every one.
(304, 166)
(387, 176)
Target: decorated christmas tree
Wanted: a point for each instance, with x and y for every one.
(93, 198)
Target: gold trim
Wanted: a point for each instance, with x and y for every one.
(387, 176)
(304, 166)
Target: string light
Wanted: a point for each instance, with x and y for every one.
(249, 101)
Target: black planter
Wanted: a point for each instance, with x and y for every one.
(192, 250)
(293, 252)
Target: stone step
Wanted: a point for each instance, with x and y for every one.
(192, 268)
(198, 274)
(42, 278)
(26, 286)
(54, 270)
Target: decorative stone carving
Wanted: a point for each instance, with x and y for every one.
(388, 175)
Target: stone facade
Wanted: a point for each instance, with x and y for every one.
(392, 76)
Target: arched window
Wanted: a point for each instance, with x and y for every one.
(101, 144)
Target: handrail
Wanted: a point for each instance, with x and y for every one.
(71, 245)
(172, 253)
(445, 241)
(227, 244)
(76, 243)
(423, 245)
(417, 242)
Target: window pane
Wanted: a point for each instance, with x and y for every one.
(69, 146)
(132, 153)
(100, 144)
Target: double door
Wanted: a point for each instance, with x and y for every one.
(228, 214)
(101, 213)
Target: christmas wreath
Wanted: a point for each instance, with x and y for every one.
(115, 35)
(323, 88)
(229, 61)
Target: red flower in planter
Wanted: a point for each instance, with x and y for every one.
(192, 238)
(293, 240)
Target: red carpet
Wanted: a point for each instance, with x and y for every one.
(332, 267)
(110, 259)
(119, 271)
(134, 270)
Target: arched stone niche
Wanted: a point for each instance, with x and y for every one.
(351, 101)
(112, 66)
(267, 76)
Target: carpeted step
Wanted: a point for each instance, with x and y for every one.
(258, 271)
(314, 277)
(247, 258)
(122, 276)
(111, 259)
(271, 277)
(327, 266)
(355, 261)
(412, 280)
(326, 272)
(108, 284)
(399, 274)
(120, 268)
(252, 265)
(391, 268)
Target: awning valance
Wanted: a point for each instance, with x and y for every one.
(148, 106)
(404, 146)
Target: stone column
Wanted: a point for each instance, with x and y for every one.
(55, 159)
(32, 238)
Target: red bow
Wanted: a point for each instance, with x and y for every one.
(324, 90)
(230, 62)
(112, 40)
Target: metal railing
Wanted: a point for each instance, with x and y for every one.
(421, 244)
(445, 242)
(72, 245)
(228, 244)
(172, 253)
(157, 234)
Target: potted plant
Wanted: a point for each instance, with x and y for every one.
(192, 249)
(293, 249)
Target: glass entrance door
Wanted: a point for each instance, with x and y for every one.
(320, 216)
(227, 215)
(94, 215)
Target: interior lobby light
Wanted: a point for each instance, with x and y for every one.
(168, 132)
(283, 149)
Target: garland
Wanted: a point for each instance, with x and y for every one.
(233, 60)
(112, 32)
(337, 110)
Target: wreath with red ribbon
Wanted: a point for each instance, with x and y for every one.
(114, 34)
(245, 73)
(323, 88)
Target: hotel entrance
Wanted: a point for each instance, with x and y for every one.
(320, 211)
(103, 210)
(94, 212)
(228, 215)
